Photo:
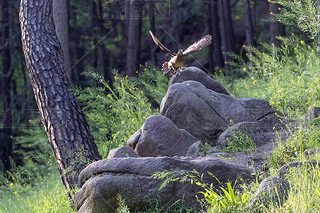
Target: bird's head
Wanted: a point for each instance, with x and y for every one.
(180, 52)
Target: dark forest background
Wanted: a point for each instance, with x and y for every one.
(114, 34)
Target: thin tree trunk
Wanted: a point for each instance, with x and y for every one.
(216, 35)
(276, 28)
(61, 114)
(153, 29)
(210, 31)
(248, 23)
(227, 33)
(61, 21)
(134, 36)
(6, 146)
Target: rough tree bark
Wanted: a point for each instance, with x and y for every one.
(134, 36)
(276, 28)
(61, 115)
(248, 23)
(6, 144)
(61, 21)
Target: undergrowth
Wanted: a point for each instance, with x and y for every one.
(116, 113)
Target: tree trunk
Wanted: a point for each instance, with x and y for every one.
(276, 28)
(153, 29)
(227, 33)
(248, 23)
(134, 36)
(61, 21)
(61, 115)
(216, 36)
(6, 144)
(210, 31)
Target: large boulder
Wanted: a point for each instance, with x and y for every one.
(131, 178)
(205, 113)
(159, 136)
(252, 129)
(272, 191)
(196, 74)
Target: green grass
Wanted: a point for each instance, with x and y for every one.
(44, 194)
(239, 141)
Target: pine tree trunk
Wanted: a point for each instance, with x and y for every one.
(134, 36)
(61, 115)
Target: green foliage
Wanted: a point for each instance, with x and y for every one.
(304, 193)
(305, 137)
(286, 76)
(122, 208)
(227, 201)
(303, 14)
(45, 194)
(240, 141)
(214, 200)
(115, 114)
(31, 146)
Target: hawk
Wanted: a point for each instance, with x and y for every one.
(176, 61)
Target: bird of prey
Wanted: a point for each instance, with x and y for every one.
(176, 61)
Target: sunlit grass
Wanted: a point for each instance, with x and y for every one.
(45, 194)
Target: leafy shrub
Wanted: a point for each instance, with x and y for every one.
(286, 76)
(115, 114)
(214, 200)
(305, 137)
(240, 141)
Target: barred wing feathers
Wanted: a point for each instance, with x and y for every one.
(161, 45)
(196, 46)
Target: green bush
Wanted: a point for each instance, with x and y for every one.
(240, 141)
(116, 113)
(305, 137)
(287, 76)
(223, 199)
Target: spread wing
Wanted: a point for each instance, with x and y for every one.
(196, 46)
(161, 45)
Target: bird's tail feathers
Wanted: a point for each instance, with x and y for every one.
(165, 68)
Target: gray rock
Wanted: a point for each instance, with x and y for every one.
(310, 152)
(196, 74)
(159, 136)
(296, 167)
(123, 152)
(313, 112)
(101, 181)
(264, 114)
(133, 139)
(206, 114)
(272, 190)
(194, 150)
(252, 129)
